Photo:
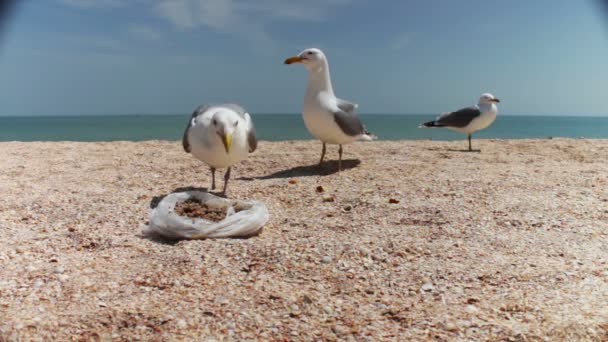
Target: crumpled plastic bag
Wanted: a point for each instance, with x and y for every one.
(244, 223)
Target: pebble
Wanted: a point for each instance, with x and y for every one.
(451, 326)
(328, 198)
(38, 283)
(471, 309)
(340, 330)
(58, 270)
(326, 259)
(427, 287)
(62, 277)
(328, 310)
(181, 323)
(381, 306)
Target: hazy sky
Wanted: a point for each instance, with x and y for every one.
(394, 56)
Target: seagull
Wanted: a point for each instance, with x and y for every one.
(470, 119)
(220, 136)
(328, 118)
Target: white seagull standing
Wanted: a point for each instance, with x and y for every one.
(328, 118)
(221, 136)
(470, 119)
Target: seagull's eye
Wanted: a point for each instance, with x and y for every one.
(236, 123)
(310, 53)
(214, 122)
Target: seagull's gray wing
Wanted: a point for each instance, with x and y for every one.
(460, 118)
(347, 106)
(251, 137)
(198, 111)
(349, 123)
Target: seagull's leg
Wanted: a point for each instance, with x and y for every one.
(212, 178)
(340, 159)
(226, 178)
(470, 149)
(322, 153)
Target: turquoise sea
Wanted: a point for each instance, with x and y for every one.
(286, 127)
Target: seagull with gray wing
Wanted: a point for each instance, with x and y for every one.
(220, 136)
(328, 118)
(470, 119)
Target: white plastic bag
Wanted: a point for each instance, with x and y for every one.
(248, 221)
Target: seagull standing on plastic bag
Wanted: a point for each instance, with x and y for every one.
(328, 118)
(220, 136)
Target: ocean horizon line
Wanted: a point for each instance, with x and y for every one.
(287, 114)
(280, 127)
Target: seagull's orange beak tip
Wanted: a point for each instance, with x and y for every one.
(294, 59)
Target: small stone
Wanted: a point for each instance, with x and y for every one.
(62, 277)
(328, 198)
(347, 208)
(393, 201)
(58, 270)
(181, 323)
(472, 300)
(306, 299)
(320, 188)
(472, 309)
(294, 333)
(340, 330)
(328, 310)
(449, 326)
(293, 181)
(38, 283)
(463, 324)
(427, 287)
(381, 306)
(529, 317)
(326, 259)
(30, 268)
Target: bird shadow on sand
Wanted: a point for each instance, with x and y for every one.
(156, 199)
(464, 150)
(160, 239)
(326, 168)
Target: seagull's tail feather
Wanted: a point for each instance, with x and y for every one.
(367, 136)
(429, 124)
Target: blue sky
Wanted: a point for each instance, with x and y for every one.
(394, 56)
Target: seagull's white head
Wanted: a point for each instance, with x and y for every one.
(223, 124)
(487, 98)
(312, 58)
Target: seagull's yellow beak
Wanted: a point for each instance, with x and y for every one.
(227, 141)
(294, 59)
(495, 100)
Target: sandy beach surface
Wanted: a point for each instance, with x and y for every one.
(507, 244)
